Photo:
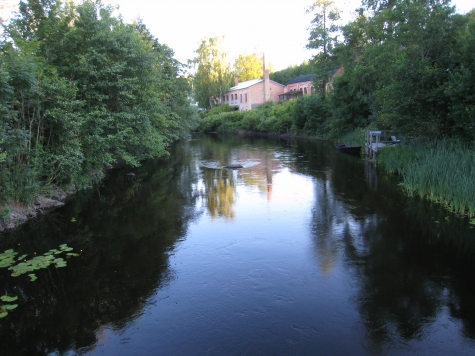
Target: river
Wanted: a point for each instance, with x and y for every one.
(302, 251)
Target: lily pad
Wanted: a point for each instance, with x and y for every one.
(21, 257)
(9, 306)
(3, 314)
(32, 277)
(6, 298)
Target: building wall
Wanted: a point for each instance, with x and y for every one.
(298, 86)
(255, 95)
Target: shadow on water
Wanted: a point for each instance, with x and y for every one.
(409, 259)
(125, 230)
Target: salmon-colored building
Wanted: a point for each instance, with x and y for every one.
(298, 86)
(303, 85)
(252, 93)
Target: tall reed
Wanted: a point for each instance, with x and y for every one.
(442, 171)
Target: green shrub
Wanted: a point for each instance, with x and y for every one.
(311, 115)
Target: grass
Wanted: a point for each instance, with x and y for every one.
(442, 171)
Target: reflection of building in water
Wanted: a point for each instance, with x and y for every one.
(218, 186)
(260, 174)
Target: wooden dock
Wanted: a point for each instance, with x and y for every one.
(377, 139)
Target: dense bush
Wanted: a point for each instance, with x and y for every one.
(311, 115)
(81, 91)
(269, 117)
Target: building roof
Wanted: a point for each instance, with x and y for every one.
(250, 83)
(302, 78)
(246, 84)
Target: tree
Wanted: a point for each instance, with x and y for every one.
(285, 75)
(81, 91)
(323, 37)
(213, 75)
(248, 66)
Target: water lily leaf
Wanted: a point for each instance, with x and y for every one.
(73, 220)
(9, 306)
(6, 298)
(6, 263)
(21, 257)
(72, 254)
(3, 314)
(32, 277)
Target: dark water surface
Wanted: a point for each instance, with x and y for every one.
(303, 251)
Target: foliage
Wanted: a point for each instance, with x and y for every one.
(311, 115)
(285, 75)
(213, 75)
(269, 117)
(81, 91)
(218, 109)
(323, 37)
(441, 171)
(407, 69)
(248, 66)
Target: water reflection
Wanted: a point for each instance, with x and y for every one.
(405, 265)
(406, 268)
(219, 191)
(125, 229)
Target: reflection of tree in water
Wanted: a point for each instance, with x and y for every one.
(218, 186)
(219, 191)
(125, 230)
(404, 281)
(325, 217)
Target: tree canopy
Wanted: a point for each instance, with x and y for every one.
(213, 74)
(248, 66)
(81, 91)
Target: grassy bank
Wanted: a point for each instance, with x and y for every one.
(442, 171)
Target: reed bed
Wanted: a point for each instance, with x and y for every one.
(442, 171)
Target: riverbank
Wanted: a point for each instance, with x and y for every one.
(441, 171)
(14, 214)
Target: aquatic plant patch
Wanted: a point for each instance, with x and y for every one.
(440, 171)
(20, 265)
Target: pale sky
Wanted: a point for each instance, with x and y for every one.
(279, 28)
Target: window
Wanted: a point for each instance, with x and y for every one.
(305, 90)
(227, 97)
(235, 96)
(246, 97)
(241, 97)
